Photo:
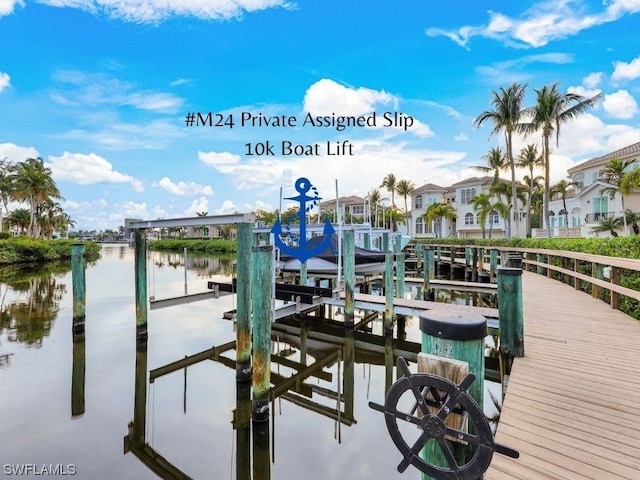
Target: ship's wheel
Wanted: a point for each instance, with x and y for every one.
(424, 405)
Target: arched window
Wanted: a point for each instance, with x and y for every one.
(419, 225)
(494, 217)
(468, 219)
(418, 201)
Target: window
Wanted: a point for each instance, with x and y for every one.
(594, 176)
(579, 179)
(419, 225)
(601, 204)
(478, 219)
(463, 196)
(418, 202)
(466, 194)
(494, 217)
(575, 217)
(468, 219)
(357, 209)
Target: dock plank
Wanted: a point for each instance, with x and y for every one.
(571, 403)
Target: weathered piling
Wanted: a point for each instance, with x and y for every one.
(261, 301)
(243, 308)
(78, 375)
(140, 260)
(348, 379)
(303, 274)
(493, 264)
(400, 270)
(474, 264)
(427, 271)
(385, 242)
(367, 241)
(138, 430)
(349, 265)
(261, 451)
(510, 311)
(459, 336)
(387, 320)
(78, 266)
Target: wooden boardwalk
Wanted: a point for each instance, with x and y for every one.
(572, 406)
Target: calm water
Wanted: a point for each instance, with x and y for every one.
(50, 416)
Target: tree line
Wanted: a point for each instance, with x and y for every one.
(30, 182)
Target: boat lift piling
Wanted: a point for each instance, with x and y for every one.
(349, 263)
(78, 267)
(140, 259)
(243, 307)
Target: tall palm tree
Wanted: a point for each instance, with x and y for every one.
(534, 199)
(553, 109)
(20, 217)
(390, 183)
(529, 159)
(505, 116)
(505, 189)
(405, 189)
(35, 185)
(375, 203)
(496, 162)
(437, 211)
(613, 173)
(563, 188)
(483, 205)
(6, 186)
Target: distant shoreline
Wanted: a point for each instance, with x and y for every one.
(23, 250)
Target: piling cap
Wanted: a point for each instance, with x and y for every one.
(508, 271)
(453, 325)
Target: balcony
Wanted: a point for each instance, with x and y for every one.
(596, 217)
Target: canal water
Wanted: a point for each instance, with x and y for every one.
(87, 406)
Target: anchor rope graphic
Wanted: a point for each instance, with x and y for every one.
(303, 252)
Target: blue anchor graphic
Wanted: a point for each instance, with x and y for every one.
(302, 253)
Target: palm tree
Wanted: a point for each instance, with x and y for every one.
(562, 188)
(34, 185)
(482, 204)
(529, 159)
(405, 189)
(553, 109)
(609, 224)
(632, 218)
(6, 186)
(496, 162)
(507, 107)
(390, 183)
(21, 218)
(375, 203)
(534, 199)
(506, 189)
(437, 211)
(613, 173)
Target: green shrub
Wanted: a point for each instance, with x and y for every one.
(214, 245)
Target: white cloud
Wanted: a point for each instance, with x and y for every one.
(329, 98)
(183, 188)
(150, 11)
(181, 81)
(200, 204)
(5, 79)
(626, 71)
(88, 169)
(580, 90)
(620, 104)
(214, 159)
(512, 71)
(226, 208)
(546, 21)
(132, 209)
(16, 153)
(95, 89)
(6, 7)
(592, 80)
(461, 137)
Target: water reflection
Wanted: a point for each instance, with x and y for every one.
(27, 315)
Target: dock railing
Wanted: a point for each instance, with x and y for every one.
(601, 276)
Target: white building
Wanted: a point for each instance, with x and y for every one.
(588, 204)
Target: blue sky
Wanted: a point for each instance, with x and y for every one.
(100, 90)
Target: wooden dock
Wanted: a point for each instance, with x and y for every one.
(572, 406)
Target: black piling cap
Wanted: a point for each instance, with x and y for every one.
(453, 325)
(508, 271)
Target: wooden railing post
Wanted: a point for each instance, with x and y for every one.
(615, 280)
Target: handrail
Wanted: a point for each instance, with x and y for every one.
(538, 260)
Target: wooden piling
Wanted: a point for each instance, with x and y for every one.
(510, 311)
(348, 379)
(140, 260)
(387, 320)
(385, 242)
(367, 241)
(303, 274)
(261, 451)
(79, 286)
(474, 264)
(400, 270)
(243, 308)
(261, 302)
(427, 272)
(78, 375)
(349, 266)
(459, 336)
(493, 264)
(140, 397)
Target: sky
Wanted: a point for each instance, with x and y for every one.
(103, 91)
